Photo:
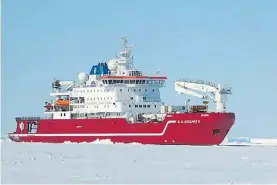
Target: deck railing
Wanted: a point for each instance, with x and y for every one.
(27, 118)
(198, 82)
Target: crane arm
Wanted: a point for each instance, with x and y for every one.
(183, 90)
(217, 93)
(64, 83)
(67, 85)
(197, 86)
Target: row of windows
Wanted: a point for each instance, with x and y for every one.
(107, 106)
(100, 98)
(83, 91)
(92, 114)
(108, 98)
(138, 90)
(133, 81)
(107, 90)
(142, 106)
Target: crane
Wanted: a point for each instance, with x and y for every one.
(215, 92)
(58, 84)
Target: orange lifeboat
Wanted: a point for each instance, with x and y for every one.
(62, 102)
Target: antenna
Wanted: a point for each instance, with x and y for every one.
(158, 71)
(124, 41)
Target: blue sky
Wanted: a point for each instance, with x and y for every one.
(231, 42)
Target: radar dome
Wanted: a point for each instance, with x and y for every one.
(83, 77)
(112, 65)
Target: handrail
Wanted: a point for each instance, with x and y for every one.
(27, 118)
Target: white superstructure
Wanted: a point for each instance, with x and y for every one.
(117, 89)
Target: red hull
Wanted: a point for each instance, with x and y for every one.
(176, 129)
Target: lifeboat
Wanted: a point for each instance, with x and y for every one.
(62, 102)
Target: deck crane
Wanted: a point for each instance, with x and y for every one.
(215, 92)
(66, 84)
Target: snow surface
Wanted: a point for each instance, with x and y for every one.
(104, 162)
(250, 141)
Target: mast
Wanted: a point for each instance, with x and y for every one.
(125, 60)
(125, 41)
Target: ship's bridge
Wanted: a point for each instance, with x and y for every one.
(133, 77)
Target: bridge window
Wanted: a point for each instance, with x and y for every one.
(32, 127)
(148, 106)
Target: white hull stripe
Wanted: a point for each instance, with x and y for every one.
(103, 135)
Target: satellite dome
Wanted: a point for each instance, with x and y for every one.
(83, 77)
(112, 65)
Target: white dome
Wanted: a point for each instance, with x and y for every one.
(83, 77)
(112, 65)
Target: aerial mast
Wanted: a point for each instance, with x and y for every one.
(125, 41)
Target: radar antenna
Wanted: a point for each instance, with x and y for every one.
(125, 41)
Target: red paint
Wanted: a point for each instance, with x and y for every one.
(176, 133)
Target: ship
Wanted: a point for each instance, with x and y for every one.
(117, 102)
